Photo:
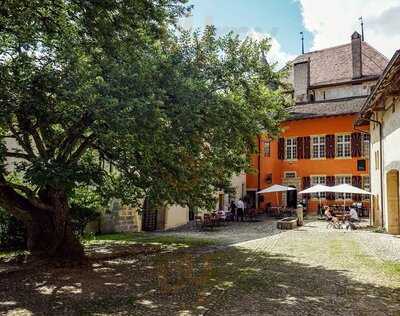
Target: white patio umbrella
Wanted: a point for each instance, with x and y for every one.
(347, 188)
(276, 188)
(318, 188)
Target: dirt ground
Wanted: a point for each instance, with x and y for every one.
(308, 271)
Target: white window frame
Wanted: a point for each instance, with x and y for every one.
(285, 173)
(366, 146)
(340, 196)
(344, 145)
(366, 187)
(320, 145)
(316, 179)
(291, 149)
(267, 145)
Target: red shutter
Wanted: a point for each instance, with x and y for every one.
(356, 144)
(281, 148)
(300, 149)
(330, 182)
(330, 146)
(307, 147)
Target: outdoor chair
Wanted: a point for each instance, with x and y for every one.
(208, 221)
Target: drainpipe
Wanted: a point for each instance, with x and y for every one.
(380, 160)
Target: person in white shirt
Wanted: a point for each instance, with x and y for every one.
(240, 210)
(353, 215)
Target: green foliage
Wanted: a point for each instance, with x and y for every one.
(175, 113)
(12, 232)
(86, 206)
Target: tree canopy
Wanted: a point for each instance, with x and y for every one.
(84, 81)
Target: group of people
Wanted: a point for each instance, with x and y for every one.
(237, 209)
(351, 216)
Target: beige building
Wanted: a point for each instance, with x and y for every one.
(382, 112)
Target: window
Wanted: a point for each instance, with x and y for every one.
(343, 180)
(268, 178)
(289, 174)
(318, 180)
(291, 148)
(366, 185)
(318, 146)
(267, 149)
(343, 146)
(365, 146)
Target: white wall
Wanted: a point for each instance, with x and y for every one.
(343, 91)
(176, 215)
(391, 148)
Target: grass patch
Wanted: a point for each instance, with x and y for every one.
(150, 238)
(11, 253)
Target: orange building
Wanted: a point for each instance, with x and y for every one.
(318, 143)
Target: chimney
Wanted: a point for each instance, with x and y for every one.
(301, 76)
(356, 55)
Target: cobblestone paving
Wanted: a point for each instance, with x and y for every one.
(257, 270)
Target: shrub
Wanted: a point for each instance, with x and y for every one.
(12, 232)
(81, 216)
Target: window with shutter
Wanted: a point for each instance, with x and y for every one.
(330, 146)
(300, 148)
(307, 147)
(356, 144)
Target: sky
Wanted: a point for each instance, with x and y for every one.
(325, 23)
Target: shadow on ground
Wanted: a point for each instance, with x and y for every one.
(232, 281)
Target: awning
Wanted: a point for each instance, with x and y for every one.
(276, 188)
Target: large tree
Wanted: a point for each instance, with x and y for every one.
(84, 81)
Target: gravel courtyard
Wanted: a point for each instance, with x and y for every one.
(238, 269)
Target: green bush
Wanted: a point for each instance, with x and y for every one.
(85, 203)
(12, 232)
(81, 216)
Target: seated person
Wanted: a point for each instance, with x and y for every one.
(329, 216)
(353, 215)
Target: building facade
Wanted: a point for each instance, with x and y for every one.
(318, 143)
(382, 113)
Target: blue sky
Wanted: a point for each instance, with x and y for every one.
(279, 18)
(325, 23)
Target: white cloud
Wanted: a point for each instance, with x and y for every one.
(333, 22)
(276, 54)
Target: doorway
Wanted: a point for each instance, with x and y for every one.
(291, 197)
(393, 205)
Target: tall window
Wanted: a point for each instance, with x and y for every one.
(318, 180)
(318, 146)
(267, 149)
(291, 148)
(366, 185)
(365, 146)
(343, 145)
(343, 180)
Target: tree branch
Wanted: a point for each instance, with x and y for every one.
(23, 142)
(82, 148)
(18, 155)
(15, 203)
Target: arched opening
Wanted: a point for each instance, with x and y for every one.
(393, 203)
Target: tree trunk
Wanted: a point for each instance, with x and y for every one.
(50, 234)
(47, 222)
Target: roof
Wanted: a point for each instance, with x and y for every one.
(388, 81)
(323, 109)
(334, 65)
